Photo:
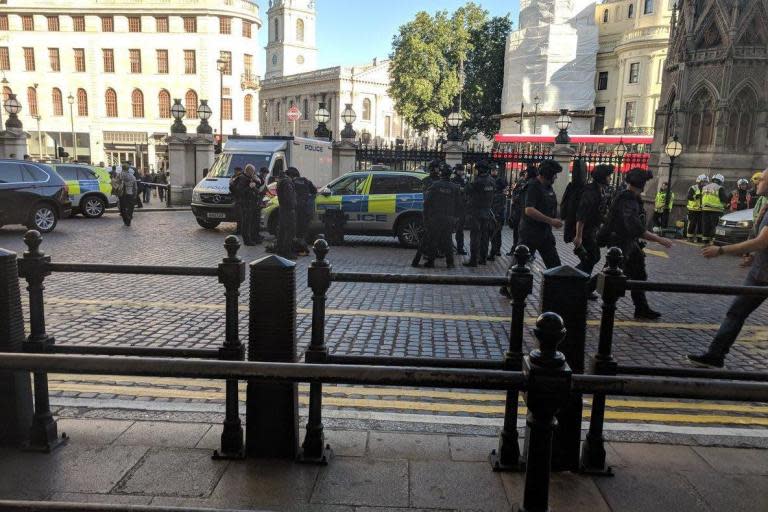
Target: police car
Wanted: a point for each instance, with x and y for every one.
(378, 203)
(90, 189)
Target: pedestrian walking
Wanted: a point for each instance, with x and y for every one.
(743, 305)
(480, 196)
(306, 191)
(662, 209)
(460, 180)
(441, 203)
(741, 198)
(694, 229)
(146, 179)
(244, 187)
(499, 211)
(518, 204)
(540, 215)
(286, 230)
(127, 193)
(625, 228)
(424, 246)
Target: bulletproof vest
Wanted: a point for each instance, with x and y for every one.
(441, 198)
(302, 187)
(483, 190)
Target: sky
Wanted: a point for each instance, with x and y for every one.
(355, 32)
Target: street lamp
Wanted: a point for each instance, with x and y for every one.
(13, 107)
(348, 116)
(563, 123)
(178, 111)
(204, 112)
(673, 149)
(3, 85)
(536, 103)
(71, 101)
(322, 116)
(454, 121)
(221, 65)
(620, 150)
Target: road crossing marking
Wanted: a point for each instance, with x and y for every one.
(660, 254)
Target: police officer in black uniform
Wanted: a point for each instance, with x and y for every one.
(499, 207)
(286, 230)
(518, 204)
(460, 179)
(425, 242)
(540, 214)
(480, 195)
(441, 202)
(626, 229)
(305, 208)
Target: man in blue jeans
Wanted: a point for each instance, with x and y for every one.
(743, 305)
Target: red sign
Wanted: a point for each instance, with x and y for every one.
(294, 114)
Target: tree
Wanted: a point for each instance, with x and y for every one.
(484, 71)
(424, 64)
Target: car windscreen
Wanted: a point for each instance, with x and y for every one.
(224, 166)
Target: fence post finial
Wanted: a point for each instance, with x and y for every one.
(33, 239)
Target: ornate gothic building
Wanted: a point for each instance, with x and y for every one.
(715, 90)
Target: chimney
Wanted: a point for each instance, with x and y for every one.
(375, 60)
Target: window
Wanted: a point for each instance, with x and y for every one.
(134, 24)
(53, 58)
(58, 107)
(277, 29)
(53, 23)
(226, 109)
(4, 22)
(164, 104)
(110, 101)
(351, 185)
(162, 62)
(161, 23)
(29, 59)
(107, 24)
(648, 7)
(248, 108)
(247, 64)
(225, 25)
(599, 120)
(189, 62)
(137, 103)
(135, 58)
(27, 22)
(387, 126)
(631, 11)
(5, 59)
(247, 29)
(634, 72)
(741, 120)
(277, 111)
(605, 16)
(82, 103)
(702, 120)
(190, 103)
(190, 24)
(78, 23)
(79, 59)
(226, 57)
(32, 100)
(366, 109)
(602, 81)
(109, 60)
(68, 172)
(629, 115)
(11, 173)
(300, 30)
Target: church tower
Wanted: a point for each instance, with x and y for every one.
(292, 45)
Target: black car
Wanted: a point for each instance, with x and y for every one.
(32, 194)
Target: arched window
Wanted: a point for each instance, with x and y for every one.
(137, 103)
(277, 30)
(631, 11)
(82, 103)
(741, 120)
(190, 103)
(248, 108)
(58, 107)
(277, 111)
(32, 100)
(164, 104)
(110, 100)
(701, 129)
(648, 7)
(605, 16)
(300, 30)
(366, 109)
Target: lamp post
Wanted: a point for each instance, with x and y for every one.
(348, 116)
(12, 107)
(620, 150)
(178, 111)
(3, 85)
(563, 123)
(536, 102)
(322, 116)
(221, 65)
(71, 100)
(204, 112)
(673, 149)
(454, 122)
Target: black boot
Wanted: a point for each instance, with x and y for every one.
(416, 259)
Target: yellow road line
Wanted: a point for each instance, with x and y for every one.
(660, 254)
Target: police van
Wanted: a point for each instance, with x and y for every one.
(377, 203)
(212, 203)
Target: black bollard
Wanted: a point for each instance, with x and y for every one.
(231, 275)
(15, 390)
(314, 450)
(507, 456)
(272, 409)
(612, 285)
(34, 267)
(549, 383)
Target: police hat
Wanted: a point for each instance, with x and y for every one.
(445, 170)
(601, 173)
(483, 167)
(638, 177)
(434, 165)
(549, 169)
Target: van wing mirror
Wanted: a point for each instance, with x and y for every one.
(325, 191)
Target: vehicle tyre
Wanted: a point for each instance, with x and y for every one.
(93, 207)
(207, 224)
(272, 223)
(43, 218)
(409, 231)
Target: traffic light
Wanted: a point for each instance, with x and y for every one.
(61, 153)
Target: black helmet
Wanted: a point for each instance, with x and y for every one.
(549, 169)
(638, 177)
(483, 167)
(601, 173)
(458, 167)
(434, 165)
(445, 170)
(293, 172)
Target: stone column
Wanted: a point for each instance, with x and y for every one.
(13, 142)
(344, 157)
(188, 155)
(454, 152)
(563, 154)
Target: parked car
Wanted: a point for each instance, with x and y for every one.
(32, 194)
(90, 189)
(734, 228)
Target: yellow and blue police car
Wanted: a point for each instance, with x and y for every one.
(90, 189)
(375, 203)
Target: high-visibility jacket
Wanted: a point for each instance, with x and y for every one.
(710, 198)
(661, 199)
(694, 199)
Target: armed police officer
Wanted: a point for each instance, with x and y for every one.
(286, 229)
(540, 214)
(518, 204)
(306, 191)
(460, 179)
(441, 202)
(425, 243)
(480, 196)
(499, 207)
(244, 188)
